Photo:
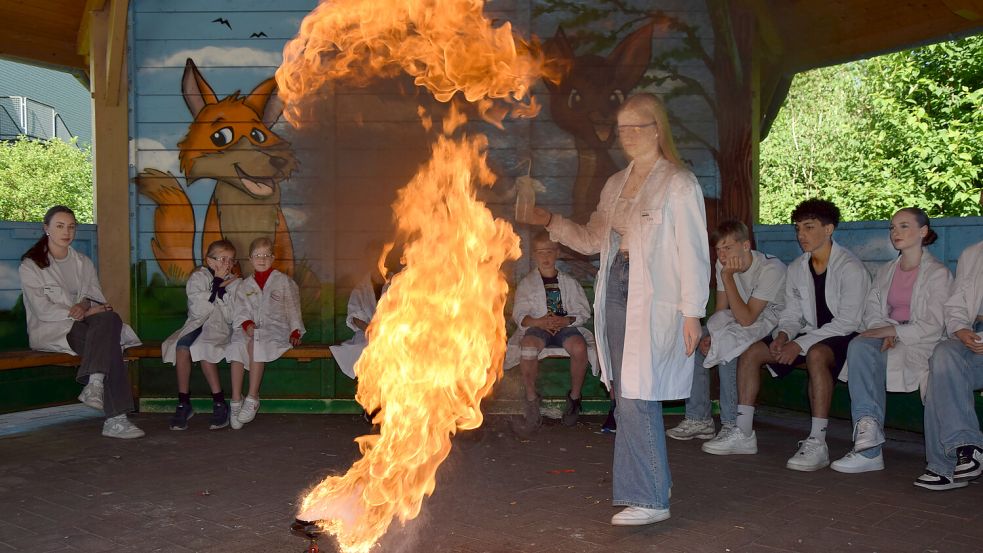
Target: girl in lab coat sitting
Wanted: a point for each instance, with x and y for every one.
(650, 230)
(206, 334)
(903, 320)
(266, 323)
(67, 312)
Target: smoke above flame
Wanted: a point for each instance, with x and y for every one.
(437, 340)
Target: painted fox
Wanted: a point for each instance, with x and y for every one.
(231, 141)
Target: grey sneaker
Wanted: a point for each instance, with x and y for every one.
(571, 411)
(531, 417)
(91, 395)
(731, 441)
(867, 434)
(690, 428)
(121, 427)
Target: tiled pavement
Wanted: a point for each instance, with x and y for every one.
(65, 488)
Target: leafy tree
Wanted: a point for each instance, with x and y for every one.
(35, 175)
(873, 136)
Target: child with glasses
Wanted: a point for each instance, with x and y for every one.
(206, 334)
(266, 322)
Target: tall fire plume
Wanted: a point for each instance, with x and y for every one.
(437, 340)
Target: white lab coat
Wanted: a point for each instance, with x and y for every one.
(361, 305)
(847, 284)
(669, 276)
(728, 338)
(214, 320)
(276, 312)
(907, 361)
(963, 305)
(530, 299)
(46, 303)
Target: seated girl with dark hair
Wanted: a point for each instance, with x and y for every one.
(67, 312)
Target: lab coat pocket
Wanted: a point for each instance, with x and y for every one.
(666, 326)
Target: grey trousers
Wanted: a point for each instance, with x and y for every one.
(96, 340)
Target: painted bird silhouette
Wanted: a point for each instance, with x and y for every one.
(222, 21)
(260, 34)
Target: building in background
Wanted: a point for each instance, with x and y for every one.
(43, 103)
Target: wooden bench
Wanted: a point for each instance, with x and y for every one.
(304, 353)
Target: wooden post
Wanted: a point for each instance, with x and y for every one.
(110, 149)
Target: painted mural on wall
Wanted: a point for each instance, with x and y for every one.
(230, 141)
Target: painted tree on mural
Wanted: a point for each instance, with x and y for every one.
(728, 62)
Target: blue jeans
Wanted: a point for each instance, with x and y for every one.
(698, 404)
(641, 463)
(950, 413)
(868, 383)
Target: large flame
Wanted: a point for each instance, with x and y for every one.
(437, 340)
(447, 46)
(435, 348)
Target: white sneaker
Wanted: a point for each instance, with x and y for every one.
(236, 408)
(250, 406)
(639, 516)
(867, 434)
(812, 455)
(91, 395)
(121, 427)
(732, 441)
(853, 463)
(690, 428)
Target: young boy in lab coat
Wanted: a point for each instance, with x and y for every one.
(267, 322)
(825, 291)
(206, 334)
(550, 309)
(750, 293)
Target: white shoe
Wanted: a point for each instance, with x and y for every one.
(812, 455)
(236, 408)
(690, 428)
(121, 427)
(91, 395)
(867, 434)
(853, 463)
(732, 441)
(639, 516)
(250, 406)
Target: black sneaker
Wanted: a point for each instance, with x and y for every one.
(531, 418)
(179, 421)
(969, 463)
(935, 482)
(571, 411)
(610, 425)
(220, 416)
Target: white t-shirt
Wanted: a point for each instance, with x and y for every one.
(66, 272)
(764, 279)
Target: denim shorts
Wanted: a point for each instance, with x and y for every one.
(553, 340)
(188, 339)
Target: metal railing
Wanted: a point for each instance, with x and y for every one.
(22, 116)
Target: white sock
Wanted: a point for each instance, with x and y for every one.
(97, 377)
(745, 418)
(819, 429)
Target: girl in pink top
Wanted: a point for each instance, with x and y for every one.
(903, 321)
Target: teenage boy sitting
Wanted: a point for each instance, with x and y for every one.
(825, 291)
(953, 441)
(750, 291)
(550, 309)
